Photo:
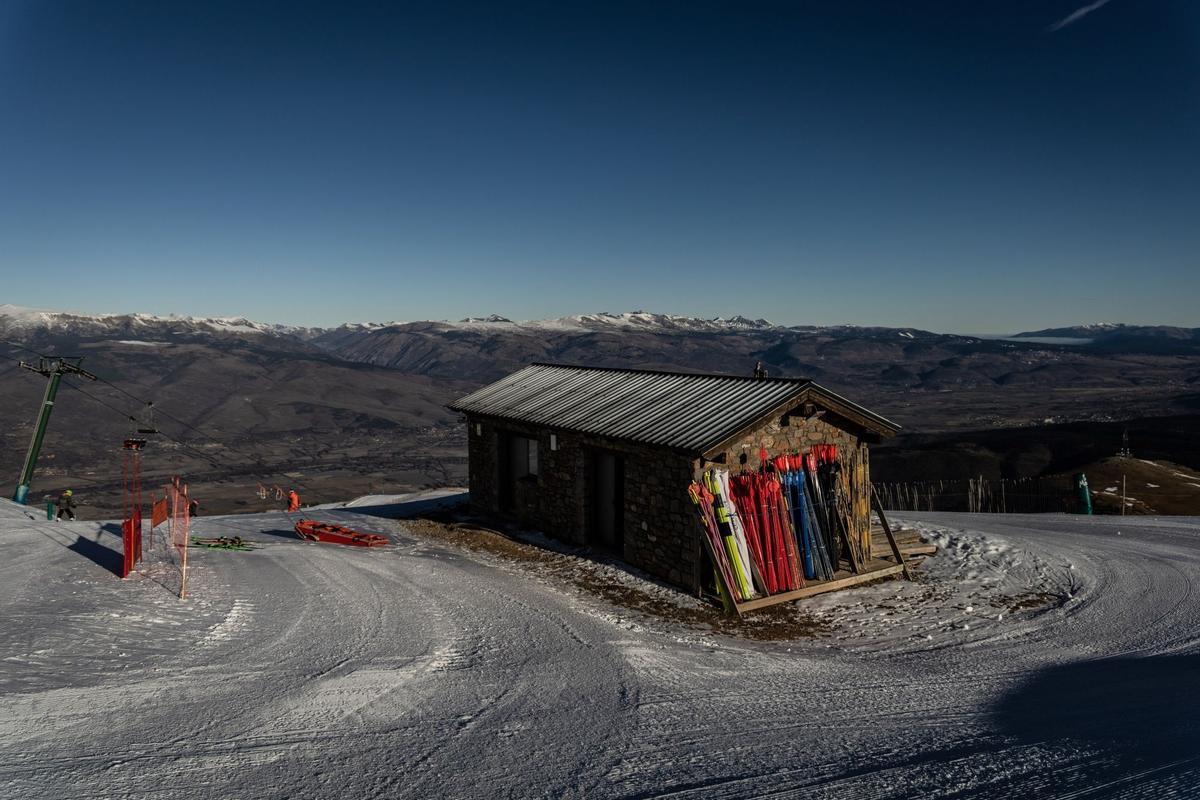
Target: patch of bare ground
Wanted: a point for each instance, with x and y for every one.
(1144, 486)
(1028, 601)
(777, 623)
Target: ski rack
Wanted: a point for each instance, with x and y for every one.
(874, 570)
(887, 530)
(869, 570)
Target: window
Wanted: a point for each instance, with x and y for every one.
(523, 455)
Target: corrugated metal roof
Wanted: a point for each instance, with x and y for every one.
(671, 409)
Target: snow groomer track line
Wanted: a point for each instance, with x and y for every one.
(1039, 656)
(315, 531)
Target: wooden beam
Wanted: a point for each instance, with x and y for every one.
(820, 588)
(909, 550)
(887, 530)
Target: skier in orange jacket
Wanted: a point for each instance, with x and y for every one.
(293, 501)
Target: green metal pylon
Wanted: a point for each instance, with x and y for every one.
(53, 369)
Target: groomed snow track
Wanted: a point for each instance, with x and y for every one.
(305, 670)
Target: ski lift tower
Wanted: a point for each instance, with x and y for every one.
(53, 369)
(1125, 451)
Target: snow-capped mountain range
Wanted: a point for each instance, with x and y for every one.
(19, 322)
(637, 320)
(17, 318)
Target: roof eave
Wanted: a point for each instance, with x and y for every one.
(689, 452)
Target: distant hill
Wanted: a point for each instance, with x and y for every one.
(364, 404)
(1145, 486)
(238, 403)
(1034, 451)
(1088, 331)
(1114, 338)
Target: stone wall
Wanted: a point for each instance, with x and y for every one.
(482, 474)
(659, 518)
(785, 435)
(661, 527)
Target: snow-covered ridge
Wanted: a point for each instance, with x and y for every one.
(17, 318)
(640, 320)
(629, 320)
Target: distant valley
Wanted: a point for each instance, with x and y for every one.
(360, 408)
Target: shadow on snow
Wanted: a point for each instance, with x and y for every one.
(407, 509)
(97, 552)
(1142, 714)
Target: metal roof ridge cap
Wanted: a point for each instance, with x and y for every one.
(681, 374)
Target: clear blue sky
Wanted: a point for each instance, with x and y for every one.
(959, 166)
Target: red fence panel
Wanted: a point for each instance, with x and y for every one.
(158, 513)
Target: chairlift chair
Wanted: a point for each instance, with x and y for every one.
(146, 424)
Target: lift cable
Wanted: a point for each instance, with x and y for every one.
(149, 404)
(208, 437)
(194, 429)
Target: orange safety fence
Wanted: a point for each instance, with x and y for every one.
(131, 536)
(177, 495)
(166, 555)
(158, 513)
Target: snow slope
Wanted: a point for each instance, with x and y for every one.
(304, 670)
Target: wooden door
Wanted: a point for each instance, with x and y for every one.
(608, 502)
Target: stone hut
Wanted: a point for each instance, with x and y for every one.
(603, 457)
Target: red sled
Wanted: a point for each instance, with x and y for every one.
(315, 531)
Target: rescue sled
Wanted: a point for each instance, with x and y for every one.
(315, 531)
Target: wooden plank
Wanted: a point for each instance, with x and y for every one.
(822, 587)
(909, 551)
(883, 544)
(901, 535)
(887, 529)
(845, 508)
(852, 545)
(881, 541)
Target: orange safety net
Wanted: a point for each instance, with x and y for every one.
(131, 492)
(177, 496)
(158, 513)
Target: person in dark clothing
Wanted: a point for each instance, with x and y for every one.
(193, 508)
(66, 505)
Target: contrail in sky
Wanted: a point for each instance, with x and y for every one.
(1076, 15)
